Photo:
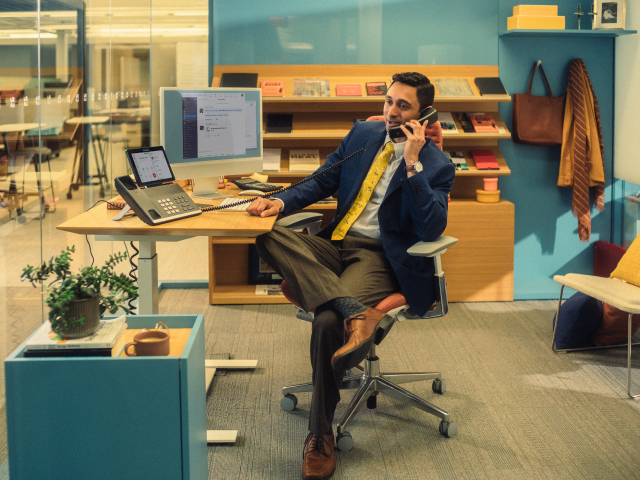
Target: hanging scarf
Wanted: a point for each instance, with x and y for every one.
(582, 156)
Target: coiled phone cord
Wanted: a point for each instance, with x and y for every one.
(284, 189)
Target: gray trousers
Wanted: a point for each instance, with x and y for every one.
(317, 271)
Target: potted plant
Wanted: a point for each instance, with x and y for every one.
(76, 302)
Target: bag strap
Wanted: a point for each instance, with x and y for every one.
(535, 67)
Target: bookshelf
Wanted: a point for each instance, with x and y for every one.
(479, 268)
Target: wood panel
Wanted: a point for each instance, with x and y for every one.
(479, 267)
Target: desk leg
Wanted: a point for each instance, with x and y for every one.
(224, 436)
(148, 279)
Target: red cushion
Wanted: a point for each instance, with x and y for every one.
(606, 257)
(614, 326)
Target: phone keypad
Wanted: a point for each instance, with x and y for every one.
(176, 205)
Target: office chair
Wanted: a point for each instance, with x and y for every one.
(372, 381)
(622, 295)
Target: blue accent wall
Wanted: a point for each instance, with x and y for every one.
(457, 32)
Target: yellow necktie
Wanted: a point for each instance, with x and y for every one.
(371, 180)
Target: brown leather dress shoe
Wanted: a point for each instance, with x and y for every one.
(363, 330)
(319, 458)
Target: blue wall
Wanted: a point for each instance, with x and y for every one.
(457, 32)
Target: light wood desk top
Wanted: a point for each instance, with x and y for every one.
(97, 221)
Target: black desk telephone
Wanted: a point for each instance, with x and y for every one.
(158, 202)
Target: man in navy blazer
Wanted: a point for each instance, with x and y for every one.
(341, 277)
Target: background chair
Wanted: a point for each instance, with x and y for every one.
(622, 295)
(371, 381)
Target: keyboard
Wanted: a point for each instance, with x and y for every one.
(237, 208)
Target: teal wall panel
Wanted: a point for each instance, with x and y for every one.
(362, 32)
(459, 32)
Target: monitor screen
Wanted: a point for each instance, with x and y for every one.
(211, 132)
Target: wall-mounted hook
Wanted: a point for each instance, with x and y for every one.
(539, 63)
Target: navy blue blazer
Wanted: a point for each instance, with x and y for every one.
(414, 209)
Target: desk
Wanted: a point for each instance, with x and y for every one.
(98, 221)
(14, 128)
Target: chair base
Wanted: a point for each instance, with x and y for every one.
(372, 382)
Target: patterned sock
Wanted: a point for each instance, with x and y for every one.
(347, 306)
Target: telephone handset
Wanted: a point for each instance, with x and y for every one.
(429, 115)
(158, 202)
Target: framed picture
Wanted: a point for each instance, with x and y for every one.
(259, 271)
(609, 15)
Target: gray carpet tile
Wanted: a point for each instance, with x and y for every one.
(523, 411)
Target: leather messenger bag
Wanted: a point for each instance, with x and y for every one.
(537, 120)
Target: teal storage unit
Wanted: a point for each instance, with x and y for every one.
(106, 418)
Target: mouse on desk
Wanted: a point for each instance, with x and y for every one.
(253, 193)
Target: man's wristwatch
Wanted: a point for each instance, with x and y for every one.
(416, 167)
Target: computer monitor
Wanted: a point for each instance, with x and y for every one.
(211, 132)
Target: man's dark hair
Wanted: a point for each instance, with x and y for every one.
(425, 89)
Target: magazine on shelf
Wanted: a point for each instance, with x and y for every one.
(483, 123)
(308, 87)
(271, 159)
(348, 90)
(453, 87)
(376, 88)
(304, 160)
(447, 124)
(272, 88)
(104, 338)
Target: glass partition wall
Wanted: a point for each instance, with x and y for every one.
(79, 84)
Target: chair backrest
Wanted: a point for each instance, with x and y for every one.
(433, 132)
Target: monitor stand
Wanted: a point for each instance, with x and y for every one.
(208, 188)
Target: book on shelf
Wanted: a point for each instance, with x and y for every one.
(279, 123)
(547, 10)
(310, 87)
(376, 88)
(453, 87)
(447, 124)
(242, 80)
(268, 290)
(103, 342)
(483, 123)
(271, 159)
(349, 90)
(457, 158)
(488, 86)
(272, 88)
(484, 159)
(465, 122)
(304, 160)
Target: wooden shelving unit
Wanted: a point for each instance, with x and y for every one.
(479, 267)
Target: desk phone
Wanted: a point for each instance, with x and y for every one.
(158, 202)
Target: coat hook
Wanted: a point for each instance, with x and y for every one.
(539, 63)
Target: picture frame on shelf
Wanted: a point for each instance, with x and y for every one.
(609, 14)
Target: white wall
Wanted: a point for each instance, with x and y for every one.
(626, 163)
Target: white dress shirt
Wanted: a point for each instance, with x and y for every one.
(367, 223)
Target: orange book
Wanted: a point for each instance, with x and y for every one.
(348, 90)
(272, 88)
(483, 123)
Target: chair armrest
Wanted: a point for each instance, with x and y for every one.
(299, 220)
(431, 249)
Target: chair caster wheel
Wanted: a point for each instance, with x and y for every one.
(69, 195)
(289, 402)
(344, 442)
(439, 385)
(448, 429)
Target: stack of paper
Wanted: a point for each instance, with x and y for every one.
(304, 160)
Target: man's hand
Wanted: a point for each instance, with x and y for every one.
(415, 141)
(263, 207)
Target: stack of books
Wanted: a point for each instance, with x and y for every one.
(107, 341)
(535, 17)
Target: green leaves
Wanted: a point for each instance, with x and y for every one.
(67, 287)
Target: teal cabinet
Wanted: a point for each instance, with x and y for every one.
(107, 418)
